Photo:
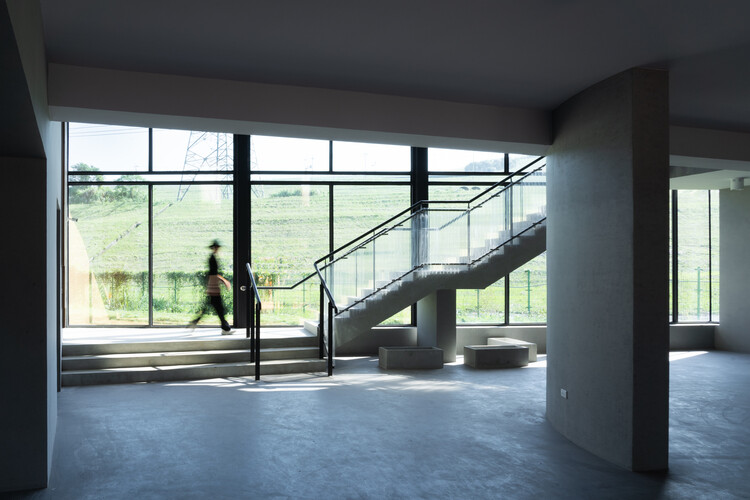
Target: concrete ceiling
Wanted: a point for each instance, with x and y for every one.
(532, 54)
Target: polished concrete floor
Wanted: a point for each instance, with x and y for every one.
(366, 433)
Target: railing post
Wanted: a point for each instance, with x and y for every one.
(468, 235)
(252, 332)
(330, 339)
(257, 342)
(248, 291)
(321, 342)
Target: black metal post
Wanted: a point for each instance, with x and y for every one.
(321, 341)
(420, 191)
(251, 308)
(150, 255)
(257, 341)
(675, 301)
(248, 325)
(710, 265)
(330, 339)
(241, 203)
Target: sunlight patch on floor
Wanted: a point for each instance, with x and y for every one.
(678, 355)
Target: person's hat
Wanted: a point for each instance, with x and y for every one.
(215, 244)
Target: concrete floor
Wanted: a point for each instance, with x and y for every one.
(365, 433)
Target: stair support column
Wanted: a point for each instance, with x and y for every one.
(436, 322)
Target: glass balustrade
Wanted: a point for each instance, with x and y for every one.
(439, 237)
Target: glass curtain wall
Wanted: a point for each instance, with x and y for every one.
(697, 252)
(457, 175)
(144, 205)
(107, 226)
(309, 197)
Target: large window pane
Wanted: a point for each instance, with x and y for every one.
(517, 162)
(185, 224)
(285, 154)
(455, 160)
(108, 255)
(692, 258)
(357, 209)
(481, 306)
(289, 233)
(362, 157)
(528, 292)
(107, 148)
(715, 243)
(463, 192)
(178, 150)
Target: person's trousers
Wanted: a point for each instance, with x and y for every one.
(218, 305)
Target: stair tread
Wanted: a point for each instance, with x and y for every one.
(183, 353)
(310, 361)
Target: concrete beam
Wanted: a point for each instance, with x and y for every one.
(170, 101)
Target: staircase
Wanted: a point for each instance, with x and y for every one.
(435, 246)
(120, 363)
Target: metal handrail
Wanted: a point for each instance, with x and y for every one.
(288, 287)
(412, 210)
(252, 281)
(371, 235)
(421, 266)
(253, 332)
(252, 327)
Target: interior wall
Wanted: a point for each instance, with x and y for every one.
(29, 197)
(29, 413)
(607, 318)
(733, 333)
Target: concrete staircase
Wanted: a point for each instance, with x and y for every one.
(392, 297)
(121, 363)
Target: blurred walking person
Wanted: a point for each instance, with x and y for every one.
(213, 291)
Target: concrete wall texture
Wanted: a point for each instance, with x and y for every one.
(732, 334)
(29, 197)
(607, 322)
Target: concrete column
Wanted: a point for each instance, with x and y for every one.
(436, 322)
(607, 270)
(732, 333)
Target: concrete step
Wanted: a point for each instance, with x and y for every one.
(238, 343)
(104, 361)
(189, 372)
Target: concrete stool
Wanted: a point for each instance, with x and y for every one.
(410, 358)
(510, 341)
(496, 356)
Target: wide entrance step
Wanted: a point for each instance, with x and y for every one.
(121, 363)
